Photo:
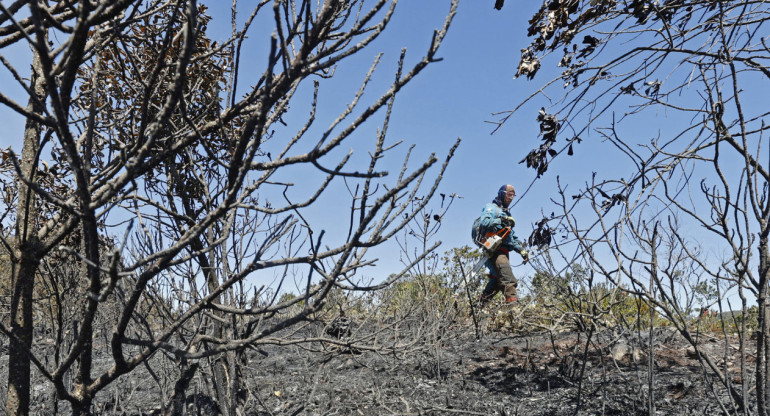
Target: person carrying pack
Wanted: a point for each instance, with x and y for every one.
(496, 220)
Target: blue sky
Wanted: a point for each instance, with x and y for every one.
(450, 99)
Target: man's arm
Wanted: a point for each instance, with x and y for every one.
(490, 219)
(513, 243)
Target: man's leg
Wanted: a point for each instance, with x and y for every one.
(503, 266)
(490, 290)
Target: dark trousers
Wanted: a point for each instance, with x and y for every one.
(500, 279)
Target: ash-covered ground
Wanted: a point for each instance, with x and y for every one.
(502, 372)
(499, 374)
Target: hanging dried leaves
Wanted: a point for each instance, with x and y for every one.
(542, 236)
(549, 126)
(538, 158)
(528, 65)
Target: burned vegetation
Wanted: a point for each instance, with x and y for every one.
(413, 349)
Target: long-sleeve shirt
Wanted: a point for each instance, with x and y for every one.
(491, 221)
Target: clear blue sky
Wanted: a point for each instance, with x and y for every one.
(450, 99)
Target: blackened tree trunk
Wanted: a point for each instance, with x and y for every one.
(762, 339)
(24, 258)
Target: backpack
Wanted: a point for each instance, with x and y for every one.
(476, 234)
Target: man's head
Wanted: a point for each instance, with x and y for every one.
(505, 195)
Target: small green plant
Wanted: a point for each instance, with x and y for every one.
(429, 292)
(734, 321)
(572, 298)
(287, 297)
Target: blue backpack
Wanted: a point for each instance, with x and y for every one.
(476, 233)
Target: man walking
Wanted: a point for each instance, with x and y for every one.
(496, 219)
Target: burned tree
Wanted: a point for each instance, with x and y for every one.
(671, 89)
(169, 184)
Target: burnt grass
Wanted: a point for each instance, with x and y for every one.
(505, 371)
(501, 373)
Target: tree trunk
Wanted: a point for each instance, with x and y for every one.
(177, 405)
(25, 253)
(220, 364)
(90, 247)
(762, 339)
(17, 400)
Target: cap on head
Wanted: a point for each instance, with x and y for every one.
(505, 190)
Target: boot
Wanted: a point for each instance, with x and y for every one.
(510, 293)
(490, 290)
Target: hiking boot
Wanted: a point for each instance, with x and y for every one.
(510, 293)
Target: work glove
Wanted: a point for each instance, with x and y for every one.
(524, 255)
(507, 221)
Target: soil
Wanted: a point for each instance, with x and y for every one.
(501, 372)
